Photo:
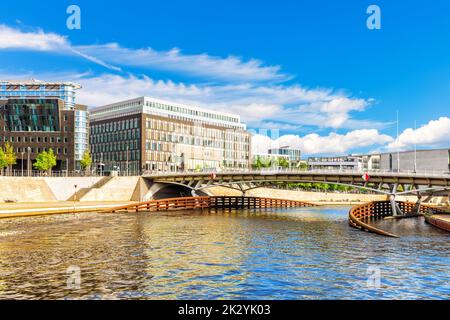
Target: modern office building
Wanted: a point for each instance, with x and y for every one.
(36, 116)
(335, 163)
(293, 155)
(16, 89)
(371, 162)
(434, 160)
(147, 134)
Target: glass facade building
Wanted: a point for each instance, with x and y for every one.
(147, 134)
(66, 91)
(32, 115)
(293, 155)
(42, 115)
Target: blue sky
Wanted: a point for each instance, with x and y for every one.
(310, 69)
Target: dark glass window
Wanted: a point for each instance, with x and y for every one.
(32, 115)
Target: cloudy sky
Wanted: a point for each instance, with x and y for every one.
(309, 74)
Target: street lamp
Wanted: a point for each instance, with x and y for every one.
(101, 163)
(415, 146)
(23, 152)
(28, 161)
(127, 159)
(74, 197)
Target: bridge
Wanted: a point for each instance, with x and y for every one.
(424, 185)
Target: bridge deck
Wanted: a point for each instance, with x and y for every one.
(381, 182)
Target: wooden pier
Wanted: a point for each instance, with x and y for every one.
(210, 202)
(441, 221)
(360, 215)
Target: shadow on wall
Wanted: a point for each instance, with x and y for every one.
(174, 191)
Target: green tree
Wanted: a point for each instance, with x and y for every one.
(3, 162)
(302, 165)
(86, 161)
(283, 162)
(45, 160)
(10, 155)
(261, 162)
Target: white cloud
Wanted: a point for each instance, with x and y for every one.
(11, 38)
(39, 40)
(253, 90)
(261, 106)
(217, 68)
(313, 143)
(435, 133)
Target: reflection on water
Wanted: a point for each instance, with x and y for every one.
(308, 253)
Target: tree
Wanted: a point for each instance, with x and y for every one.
(86, 161)
(10, 155)
(45, 160)
(261, 162)
(302, 165)
(3, 162)
(283, 162)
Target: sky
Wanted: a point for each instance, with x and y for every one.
(309, 74)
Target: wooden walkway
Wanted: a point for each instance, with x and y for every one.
(441, 221)
(360, 215)
(210, 202)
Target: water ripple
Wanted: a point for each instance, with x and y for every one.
(308, 253)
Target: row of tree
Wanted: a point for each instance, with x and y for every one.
(261, 162)
(45, 161)
(324, 187)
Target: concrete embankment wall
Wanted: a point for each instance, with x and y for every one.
(64, 187)
(20, 189)
(117, 189)
(49, 189)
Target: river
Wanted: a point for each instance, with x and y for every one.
(307, 253)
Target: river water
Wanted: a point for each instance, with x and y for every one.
(308, 253)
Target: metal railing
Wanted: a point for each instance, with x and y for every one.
(263, 171)
(268, 171)
(64, 173)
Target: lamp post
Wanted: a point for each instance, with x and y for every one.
(74, 197)
(23, 152)
(127, 159)
(101, 163)
(28, 160)
(415, 146)
(398, 149)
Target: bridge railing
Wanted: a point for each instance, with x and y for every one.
(262, 171)
(268, 171)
